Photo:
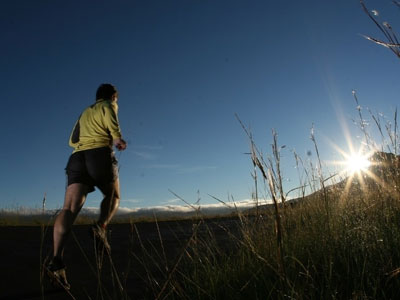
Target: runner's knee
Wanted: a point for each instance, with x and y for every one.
(112, 192)
(113, 198)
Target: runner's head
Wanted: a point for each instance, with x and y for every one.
(106, 91)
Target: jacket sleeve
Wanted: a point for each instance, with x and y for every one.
(111, 120)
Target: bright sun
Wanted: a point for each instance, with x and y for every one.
(357, 162)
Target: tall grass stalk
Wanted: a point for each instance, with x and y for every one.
(42, 235)
(270, 178)
(276, 150)
(392, 42)
(321, 180)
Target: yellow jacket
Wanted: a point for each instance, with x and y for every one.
(96, 127)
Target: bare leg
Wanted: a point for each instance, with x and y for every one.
(110, 203)
(75, 197)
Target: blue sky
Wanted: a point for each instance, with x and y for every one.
(183, 68)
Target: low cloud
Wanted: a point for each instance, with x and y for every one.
(209, 208)
(178, 209)
(126, 210)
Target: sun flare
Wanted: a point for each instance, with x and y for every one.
(357, 163)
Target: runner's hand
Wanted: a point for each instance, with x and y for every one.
(120, 144)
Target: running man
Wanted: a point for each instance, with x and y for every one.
(92, 163)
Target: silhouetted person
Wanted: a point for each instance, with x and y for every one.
(92, 163)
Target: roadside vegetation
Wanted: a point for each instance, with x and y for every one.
(340, 242)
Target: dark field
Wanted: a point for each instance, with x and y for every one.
(143, 254)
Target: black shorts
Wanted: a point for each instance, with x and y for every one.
(94, 167)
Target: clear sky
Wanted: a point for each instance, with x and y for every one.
(183, 68)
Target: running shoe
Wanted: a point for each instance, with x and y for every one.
(56, 272)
